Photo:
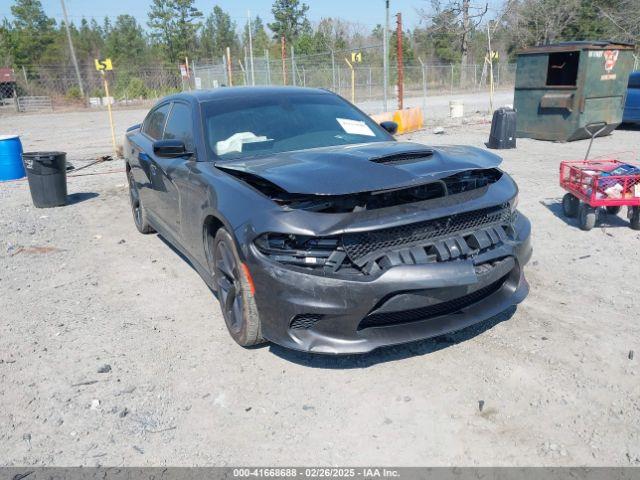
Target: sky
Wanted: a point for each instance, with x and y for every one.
(368, 13)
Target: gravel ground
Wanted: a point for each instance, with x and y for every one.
(114, 352)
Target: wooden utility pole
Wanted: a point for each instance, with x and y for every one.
(283, 46)
(400, 61)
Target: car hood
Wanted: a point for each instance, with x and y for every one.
(347, 169)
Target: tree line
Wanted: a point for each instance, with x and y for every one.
(451, 31)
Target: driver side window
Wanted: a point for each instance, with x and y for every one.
(180, 125)
(155, 121)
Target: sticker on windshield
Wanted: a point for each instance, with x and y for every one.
(355, 127)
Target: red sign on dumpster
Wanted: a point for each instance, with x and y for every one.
(610, 59)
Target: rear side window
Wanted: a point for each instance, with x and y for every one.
(180, 125)
(154, 123)
(634, 80)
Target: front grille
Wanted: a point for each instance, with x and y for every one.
(432, 311)
(304, 321)
(364, 246)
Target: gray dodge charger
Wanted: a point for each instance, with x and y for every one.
(318, 231)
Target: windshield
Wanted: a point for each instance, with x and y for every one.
(242, 127)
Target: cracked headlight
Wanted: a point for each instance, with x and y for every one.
(301, 250)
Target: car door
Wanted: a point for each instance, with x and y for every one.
(142, 149)
(171, 174)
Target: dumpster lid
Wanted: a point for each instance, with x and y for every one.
(8, 137)
(578, 45)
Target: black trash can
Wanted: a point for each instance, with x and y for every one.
(47, 174)
(503, 129)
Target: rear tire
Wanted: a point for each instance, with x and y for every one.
(234, 292)
(587, 217)
(138, 211)
(570, 205)
(634, 219)
(613, 210)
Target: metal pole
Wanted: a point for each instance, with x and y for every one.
(451, 88)
(490, 70)
(293, 66)
(385, 56)
(353, 82)
(283, 53)
(475, 77)
(244, 72)
(24, 74)
(424, 86)
(229, 71)
(253, 76)
(186, 63)
(266, 56)
(73, 52)
(304, 77)
(333, 70)
(400, 61)
(246, 63)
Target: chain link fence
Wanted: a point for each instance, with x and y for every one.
(331, 70)
(136, 85)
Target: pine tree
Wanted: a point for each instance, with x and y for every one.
(218, 33)
(290, 19)
(174, 24)
(32, 33)
(125, 42)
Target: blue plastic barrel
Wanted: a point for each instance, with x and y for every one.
(11, 158)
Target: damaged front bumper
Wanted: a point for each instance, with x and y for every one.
(322, 313)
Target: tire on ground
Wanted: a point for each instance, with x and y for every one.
(587, 217)
(251, 329)
(570, 205)
(140, 220)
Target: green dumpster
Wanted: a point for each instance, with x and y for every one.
(562, 88)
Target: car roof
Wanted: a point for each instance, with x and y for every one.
(201, 96)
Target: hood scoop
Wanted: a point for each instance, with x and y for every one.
(403, 158)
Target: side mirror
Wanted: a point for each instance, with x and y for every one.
(170, 149)
(389, 126)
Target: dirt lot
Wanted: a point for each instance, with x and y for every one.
(81, 289)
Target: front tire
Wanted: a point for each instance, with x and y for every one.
(587, 217)
(138, 211)
(570, 205)
(234, 292)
